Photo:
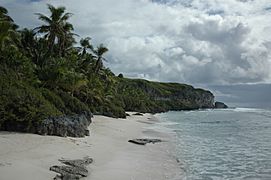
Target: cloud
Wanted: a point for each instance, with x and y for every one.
(192, 41)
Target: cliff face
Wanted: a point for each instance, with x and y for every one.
(150, 96)
(205, 99)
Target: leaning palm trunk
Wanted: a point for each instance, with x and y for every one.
(51, 41)
(99, 51)
(98, 65)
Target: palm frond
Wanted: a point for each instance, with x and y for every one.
(56, 13)
(42, 29)
(68, 27)
(66, 16)
(4, 15)
(3, 10)
(84, 42)
(44, 18)
(101, 49)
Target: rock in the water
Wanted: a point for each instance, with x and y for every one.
(74, 169)
(138, 114)
(74, 126)
(144, 141)
(220, 105)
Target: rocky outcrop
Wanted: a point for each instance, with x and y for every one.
(74, 126)
(73, 169)
(144, 141)
(220, 105)
(154, 97)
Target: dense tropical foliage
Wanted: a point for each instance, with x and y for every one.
(43, 73)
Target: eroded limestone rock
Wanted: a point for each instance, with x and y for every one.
(74, 126)
(73, 169)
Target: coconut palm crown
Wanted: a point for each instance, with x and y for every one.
(57, 29)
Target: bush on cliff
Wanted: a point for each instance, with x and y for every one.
(22, 106)
(54, 99)
(72, 104)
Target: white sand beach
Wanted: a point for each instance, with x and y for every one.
(29, 156)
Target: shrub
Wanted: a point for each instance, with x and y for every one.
(72, 104)
(54, 99)
(22, 106)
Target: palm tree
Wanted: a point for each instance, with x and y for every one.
(56, 26)
(4, 15)
(66, 40)
(85, 60)
(28, 41)
(85, 44)
(99, 51)
(33, 46)
(8, 28)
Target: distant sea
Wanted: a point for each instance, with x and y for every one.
(226, 144)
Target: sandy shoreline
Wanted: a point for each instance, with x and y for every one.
(28, 156)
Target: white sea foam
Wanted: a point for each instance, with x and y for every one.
(248, 110)
(168, 123)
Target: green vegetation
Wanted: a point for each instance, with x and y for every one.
(43, 74)
(145, 96)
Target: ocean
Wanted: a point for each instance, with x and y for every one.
(221, 144)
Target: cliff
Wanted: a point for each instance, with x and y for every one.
(146, 96)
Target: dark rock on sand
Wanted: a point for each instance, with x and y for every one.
(73, 169)
(144, 141)
(67, 177)
(78, 162)
(220, 105)
(138, 114)
(74, 126)
(70, 171)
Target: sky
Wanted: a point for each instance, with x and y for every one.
(221, 45)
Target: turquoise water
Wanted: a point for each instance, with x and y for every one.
(222, 144)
